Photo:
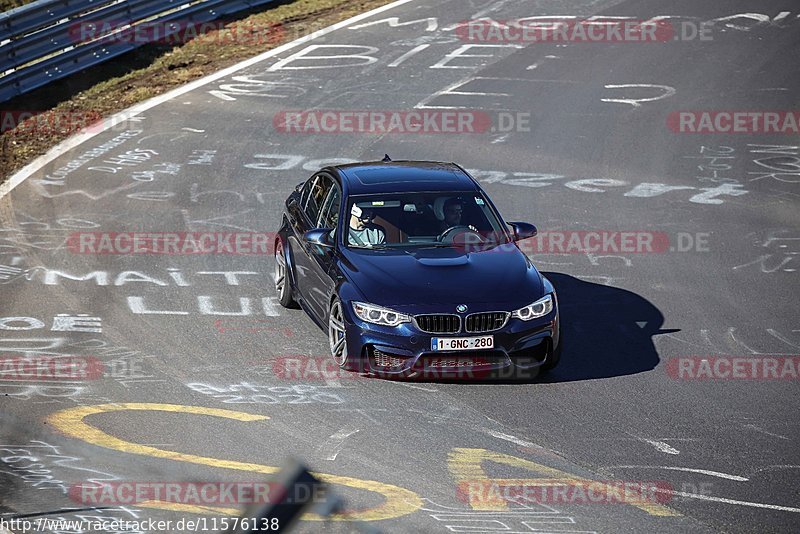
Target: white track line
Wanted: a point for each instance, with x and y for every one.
(80, 138)
(661, 446)
(731, 501)
(510, 438)
(335, 443)
(686, 469)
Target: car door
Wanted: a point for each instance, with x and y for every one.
(312, 198)
(323, 258)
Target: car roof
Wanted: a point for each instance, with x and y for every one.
(404, 177)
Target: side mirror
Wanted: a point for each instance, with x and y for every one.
(299, 186)
(523, 230)
(320, 237)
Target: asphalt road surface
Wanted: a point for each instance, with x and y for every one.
(583, 139)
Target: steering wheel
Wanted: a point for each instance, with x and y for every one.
(448, 235)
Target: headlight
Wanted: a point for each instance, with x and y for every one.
(377, 315)
(540, 308)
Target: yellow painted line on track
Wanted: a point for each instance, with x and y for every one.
(466, 467)
(194, 509)
(397, 501)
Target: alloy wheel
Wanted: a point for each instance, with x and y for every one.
(336, 334)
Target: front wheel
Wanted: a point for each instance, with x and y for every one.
(337, 334)
(283, 286)
(554, 359)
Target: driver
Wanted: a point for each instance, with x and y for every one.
(453, 209)
(362, 231)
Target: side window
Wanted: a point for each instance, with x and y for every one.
(319, 188)
(306, 190)
(329, 216)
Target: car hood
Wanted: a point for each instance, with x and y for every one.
(402, 279)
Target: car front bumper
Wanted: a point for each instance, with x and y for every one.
(520, 349)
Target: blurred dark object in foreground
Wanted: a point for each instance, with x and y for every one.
(296, 491)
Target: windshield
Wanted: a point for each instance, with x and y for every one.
(409, 220)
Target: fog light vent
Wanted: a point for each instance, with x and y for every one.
(386, 361)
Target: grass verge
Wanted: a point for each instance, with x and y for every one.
(154, 69)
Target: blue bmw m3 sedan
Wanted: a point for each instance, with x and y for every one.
(412, 272)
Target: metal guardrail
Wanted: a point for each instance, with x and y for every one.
(42, 41)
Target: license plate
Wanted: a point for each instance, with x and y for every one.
(462, 343)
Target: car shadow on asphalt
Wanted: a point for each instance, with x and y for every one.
(606, 331)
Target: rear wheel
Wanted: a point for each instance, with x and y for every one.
(336, 334)
(283, 286)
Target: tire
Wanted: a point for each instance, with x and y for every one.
(283, 282)
(337, 340)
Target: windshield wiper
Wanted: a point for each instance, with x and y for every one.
(370, 247)
(437, 245)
